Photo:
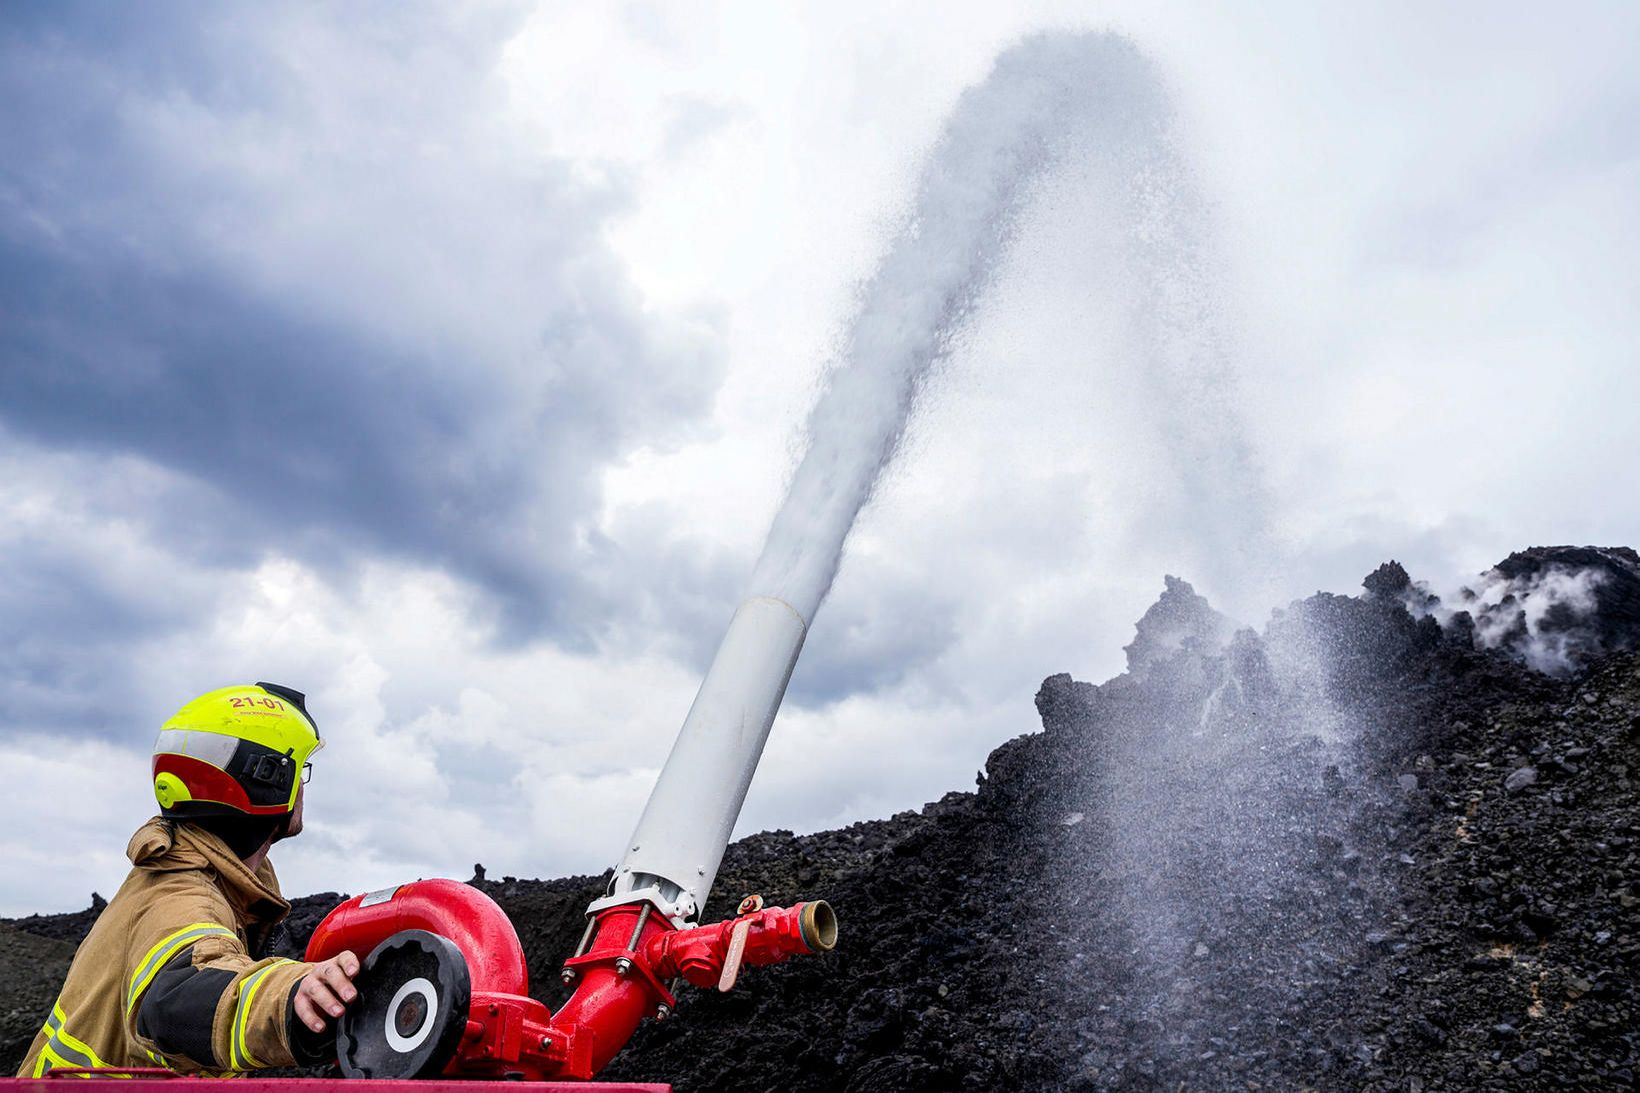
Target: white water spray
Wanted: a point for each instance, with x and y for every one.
(1049, 101)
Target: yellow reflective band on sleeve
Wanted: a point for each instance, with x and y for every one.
(49, 1061)
(161, 954)
(71, 1043)
(239, 1058)
(62, 1051)
(160, 1060)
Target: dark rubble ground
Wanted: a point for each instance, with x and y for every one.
(1355, 851)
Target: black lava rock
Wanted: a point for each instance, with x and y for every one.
(1305, 858)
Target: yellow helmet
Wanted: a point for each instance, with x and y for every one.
(238, 751)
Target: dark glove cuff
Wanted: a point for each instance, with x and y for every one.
(307, 1047)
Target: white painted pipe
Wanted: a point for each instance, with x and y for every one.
(673, 856)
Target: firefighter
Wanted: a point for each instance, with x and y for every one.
(175, 973)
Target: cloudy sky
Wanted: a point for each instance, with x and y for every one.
(449, 363)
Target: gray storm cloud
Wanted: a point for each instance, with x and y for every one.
(191, 285)
(323, 353)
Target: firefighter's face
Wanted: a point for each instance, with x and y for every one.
(293, 826)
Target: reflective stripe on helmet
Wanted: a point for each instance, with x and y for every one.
(239, 1057)
(214, 747)
(161, 954)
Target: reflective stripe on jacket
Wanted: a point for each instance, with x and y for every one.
(167, 974)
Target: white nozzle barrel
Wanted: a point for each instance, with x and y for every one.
(673, 856)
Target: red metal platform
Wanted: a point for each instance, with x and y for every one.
(71, 1082)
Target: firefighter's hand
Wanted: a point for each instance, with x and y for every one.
(325, 991)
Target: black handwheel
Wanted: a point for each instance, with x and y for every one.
(412, 1009)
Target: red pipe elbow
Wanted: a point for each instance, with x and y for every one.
(617, 988)
(621, 976)
(459, 912)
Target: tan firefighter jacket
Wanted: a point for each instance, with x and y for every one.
(167, 977)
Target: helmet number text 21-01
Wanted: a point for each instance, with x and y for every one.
(270, 703)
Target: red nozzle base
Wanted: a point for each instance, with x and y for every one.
(620, 975)
(711, 956)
